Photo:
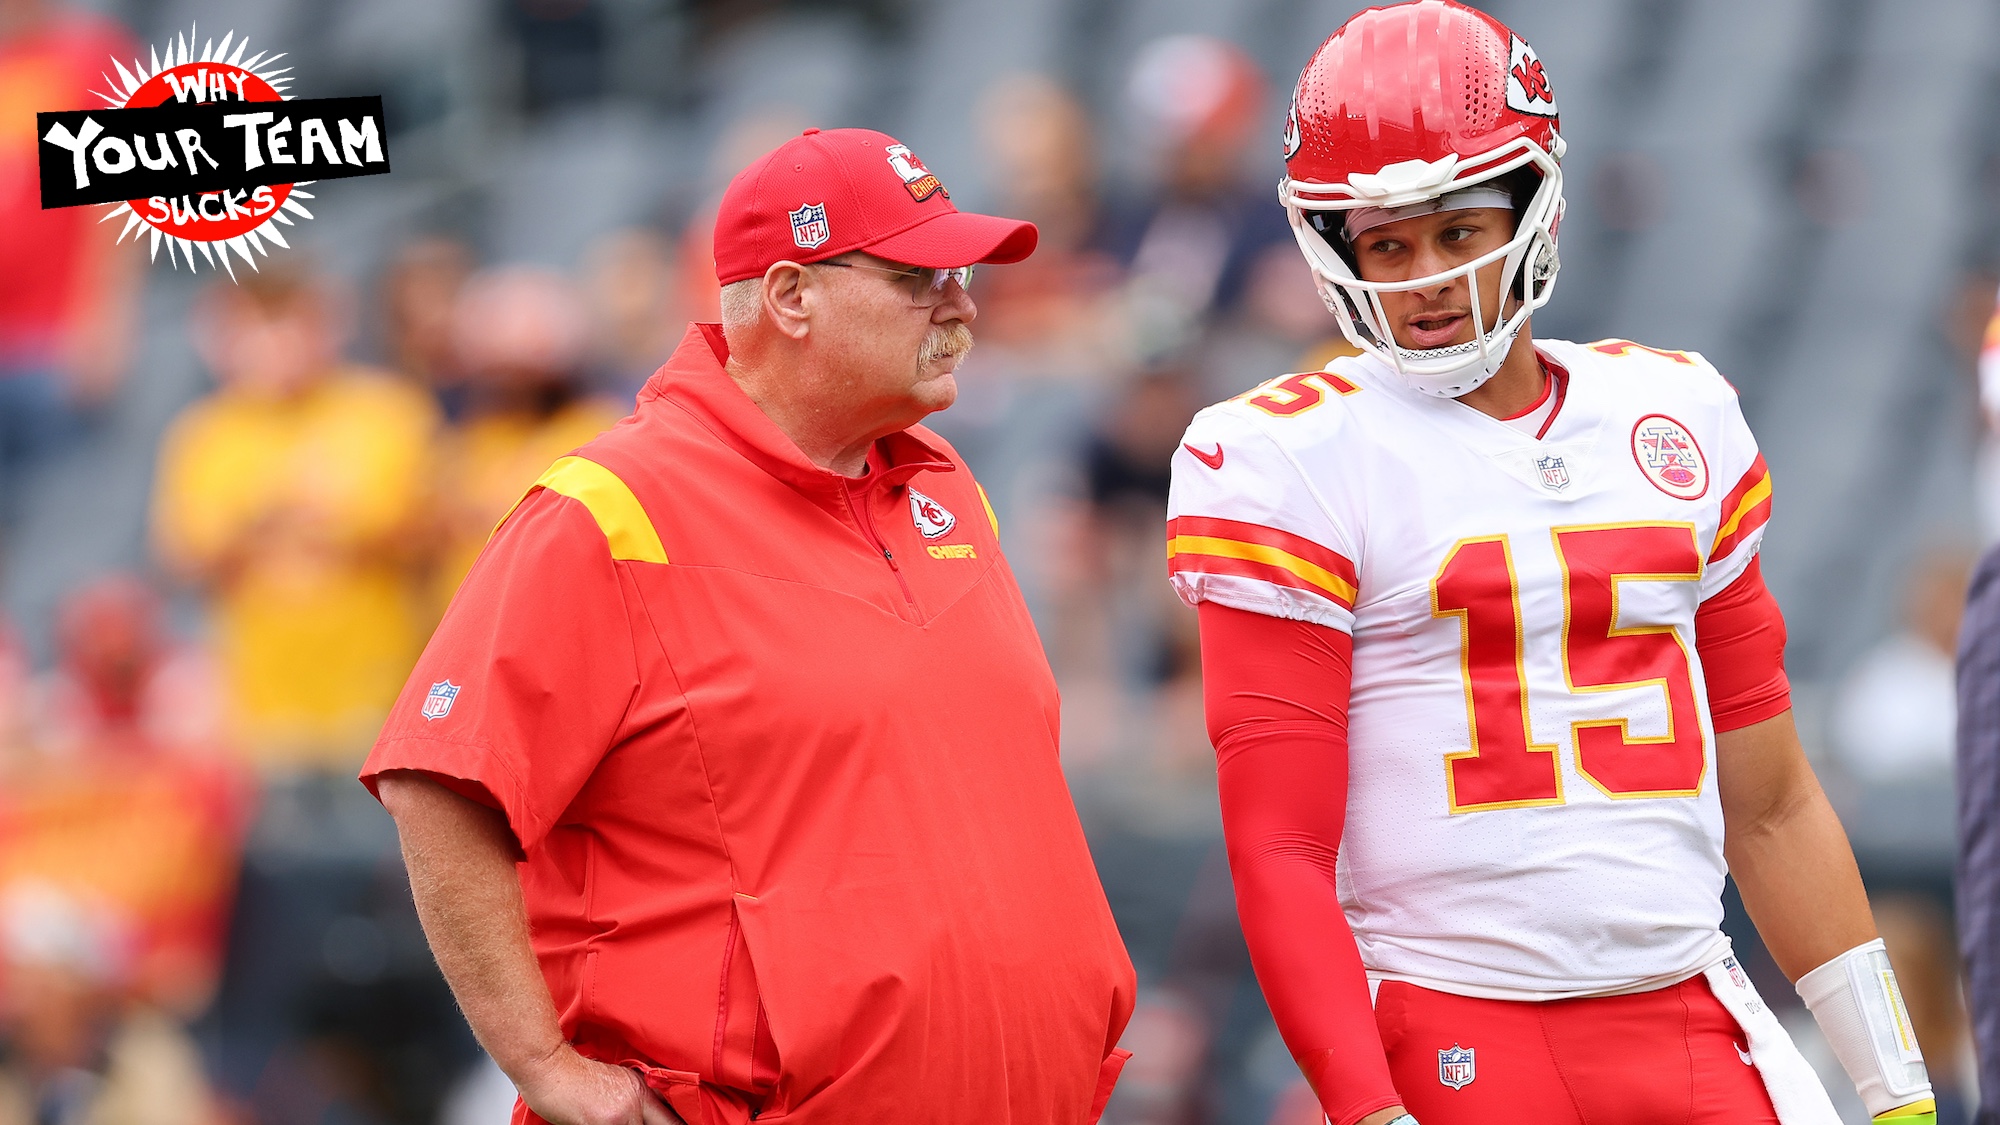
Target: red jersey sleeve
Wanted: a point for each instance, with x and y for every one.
(1739, 634)
(522, 689)
(1275, 692)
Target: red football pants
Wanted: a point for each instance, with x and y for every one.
(1673, 1056)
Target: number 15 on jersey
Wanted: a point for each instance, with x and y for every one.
(1505, 768)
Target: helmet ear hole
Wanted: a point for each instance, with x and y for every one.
(1331, 226)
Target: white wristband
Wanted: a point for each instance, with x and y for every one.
(1858, 1006)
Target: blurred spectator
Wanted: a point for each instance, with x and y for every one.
(1127, 654)
(1201, 104)
(13, 703)
(1894, 716)
(1053, 315)
(519, 334)
(1298, 1105)
(1127, 476)
(1279, 327)
(563, 50)
(743, 141)
(66, 291)
(419, 290)
(1917, 934)
(125, 803)
(1987, 479)
(120, 681)
(1168, 1038)
(292, 496)
(77, 1051)
(1050, 332)
(632, 286)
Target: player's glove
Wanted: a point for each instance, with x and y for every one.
(1856, 1002)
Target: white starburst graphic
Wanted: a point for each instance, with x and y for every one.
(182, 66)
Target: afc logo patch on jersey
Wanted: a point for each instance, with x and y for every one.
(932, 518)
(438, 703)
(809, 229)
(1527, 83)
(1455, 1067)
(1667, 454)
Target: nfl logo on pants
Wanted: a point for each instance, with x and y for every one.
(1455, 1067)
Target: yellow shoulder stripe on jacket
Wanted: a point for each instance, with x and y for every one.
(618, 513)
(988, 505)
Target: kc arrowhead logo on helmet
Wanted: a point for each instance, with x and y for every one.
(1527, 83)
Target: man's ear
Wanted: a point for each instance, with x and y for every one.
(784, 289)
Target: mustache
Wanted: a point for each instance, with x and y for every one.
(953, 339)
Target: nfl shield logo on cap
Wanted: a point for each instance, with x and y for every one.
(438, 703)
(809, 228)
(1455, 1067)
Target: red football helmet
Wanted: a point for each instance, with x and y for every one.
(1400, 109)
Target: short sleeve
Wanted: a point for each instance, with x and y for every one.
(523, 689)
(1745, 507)
(1245, 529)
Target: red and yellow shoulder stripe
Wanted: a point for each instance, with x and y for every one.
(1744, 510)
(627, 529)
(1205, 545)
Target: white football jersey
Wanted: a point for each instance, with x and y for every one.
(1532, 806)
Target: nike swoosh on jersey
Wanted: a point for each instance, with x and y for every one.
(1744, 1055)
(1212, 460)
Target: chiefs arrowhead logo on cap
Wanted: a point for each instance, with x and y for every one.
(916, 177)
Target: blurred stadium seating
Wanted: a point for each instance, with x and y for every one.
(1805, 191)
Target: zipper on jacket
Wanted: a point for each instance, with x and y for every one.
(867, 523)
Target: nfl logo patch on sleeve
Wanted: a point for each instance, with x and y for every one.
(438, 703)
(1455, 1067)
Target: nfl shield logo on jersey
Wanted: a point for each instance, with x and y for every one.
(1455, 1067)
(931, 517)
(1736, 976)
(1554, 474)
(438, 703)
(809, 227)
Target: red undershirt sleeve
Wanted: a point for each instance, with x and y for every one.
(1275, 692)
(1739, 634)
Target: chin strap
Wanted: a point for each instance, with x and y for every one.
(1856, 1002)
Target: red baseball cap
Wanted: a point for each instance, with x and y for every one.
(828, 192)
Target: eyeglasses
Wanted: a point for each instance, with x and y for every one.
(930, 279)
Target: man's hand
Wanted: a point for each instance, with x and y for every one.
(568, 1089)
(461, 858)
